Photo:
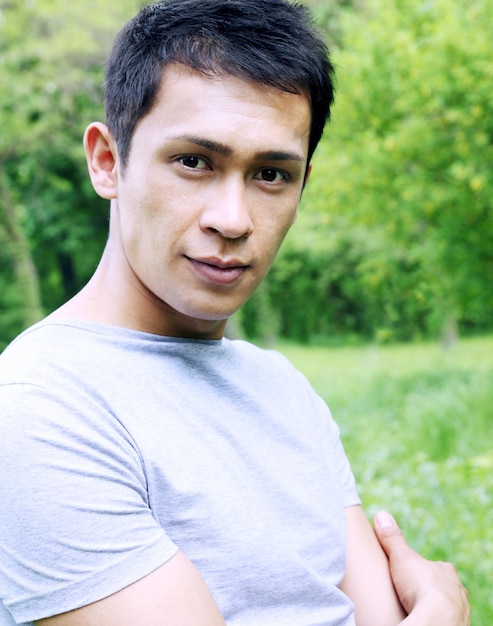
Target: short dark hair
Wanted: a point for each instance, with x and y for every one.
(270, 42)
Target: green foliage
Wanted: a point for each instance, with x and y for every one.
(395, 235)
(407, 160)
(328, 16)
(416, 424)
(58, 49)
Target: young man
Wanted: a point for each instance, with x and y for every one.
(154, 472)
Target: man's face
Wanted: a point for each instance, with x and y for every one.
(211, 187)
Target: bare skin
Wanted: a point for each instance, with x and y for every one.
(210, 190)
(430, 591)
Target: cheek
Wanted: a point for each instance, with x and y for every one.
(280, 225)
(150, 220)
(143, 238)
(271, 242)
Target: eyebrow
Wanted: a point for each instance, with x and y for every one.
(224, 150)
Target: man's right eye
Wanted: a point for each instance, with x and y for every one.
(194, 162)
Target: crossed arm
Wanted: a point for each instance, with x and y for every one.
(176, 595)
(430, 591)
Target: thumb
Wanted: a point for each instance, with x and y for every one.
(389, 535)
(435, 586)
(406, 566)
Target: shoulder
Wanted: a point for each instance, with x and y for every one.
(40, 347)
(251, 355)
(66, 353)
(271, 373)
(51, 382)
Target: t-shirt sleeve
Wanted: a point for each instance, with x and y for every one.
(75, 523)
(346, 477)
(321, 413)
(350, 493)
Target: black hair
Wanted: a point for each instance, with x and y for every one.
(270, 42)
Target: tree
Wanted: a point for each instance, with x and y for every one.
(51, 223)
(408, 158)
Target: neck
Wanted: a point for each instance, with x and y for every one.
(108, 299)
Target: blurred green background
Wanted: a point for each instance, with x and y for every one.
(394, 241)
(383, 292)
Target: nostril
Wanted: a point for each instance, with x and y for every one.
(230, 224)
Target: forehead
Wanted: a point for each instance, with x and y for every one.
(227, 109)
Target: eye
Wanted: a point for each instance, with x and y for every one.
(194, 162)
(271, 175)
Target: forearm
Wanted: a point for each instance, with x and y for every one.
(367, 581)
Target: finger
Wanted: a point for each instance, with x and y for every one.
(389, 534)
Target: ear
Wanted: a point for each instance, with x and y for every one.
(102, 159)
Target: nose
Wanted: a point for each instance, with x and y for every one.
(226, 210)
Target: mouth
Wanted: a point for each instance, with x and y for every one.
(218, 271)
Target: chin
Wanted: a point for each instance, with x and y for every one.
(211, 313)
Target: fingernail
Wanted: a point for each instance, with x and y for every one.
(384, 519)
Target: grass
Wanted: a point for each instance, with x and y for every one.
(417, 424)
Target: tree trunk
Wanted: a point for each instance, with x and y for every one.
(19, 255)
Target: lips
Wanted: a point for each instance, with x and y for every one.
(218, 271)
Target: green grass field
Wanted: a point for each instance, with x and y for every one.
(417, 424)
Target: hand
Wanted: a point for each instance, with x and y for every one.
(430, 592)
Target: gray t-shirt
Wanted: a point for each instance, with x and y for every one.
(117, 448)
